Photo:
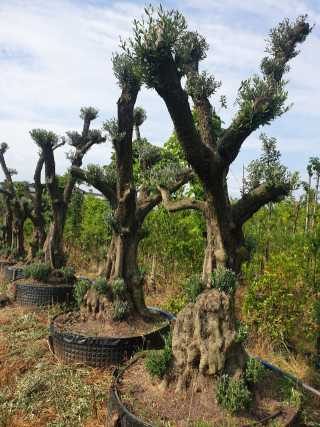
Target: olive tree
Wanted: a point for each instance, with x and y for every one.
(17, 208)
(60, 195)
(168, 53)
(129, 183)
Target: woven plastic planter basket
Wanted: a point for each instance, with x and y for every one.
(104, 351)
(35, 295)
(125, 418)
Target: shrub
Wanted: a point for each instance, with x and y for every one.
(101, 286)
(242, 331)
(193, 288)
(255, 371)
(232, 394)
(176, 303)
(317, 312)
(120, 310)
(38, 271)
(68, 273)
(224, 279)
(79, 290)
(280, 303)
(118, 288)
(157, 361)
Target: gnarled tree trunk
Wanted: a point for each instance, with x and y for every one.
(53, 246)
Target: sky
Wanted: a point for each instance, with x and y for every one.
(55, 57)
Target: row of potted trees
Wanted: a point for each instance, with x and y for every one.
(201, 370)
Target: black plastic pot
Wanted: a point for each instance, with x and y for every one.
(115, 407)
(12, 273)
(125, 418)
(36, 295)
(104, 351)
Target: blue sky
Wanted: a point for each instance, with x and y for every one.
(55, 58)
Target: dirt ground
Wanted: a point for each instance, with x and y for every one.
(36, 390)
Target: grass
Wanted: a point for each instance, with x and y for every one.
(298, 366)
(35, 389)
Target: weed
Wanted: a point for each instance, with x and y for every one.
(157, 361)
(232, 394)
(224, 279)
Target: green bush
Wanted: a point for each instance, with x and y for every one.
(242, 331)
(233, 395)
(317, 312)
(101, 286)
(255, 371)
(38, 271)
(224, 279)
(79, 291)
(120, 310)
(118, 288)
(68, 273)
(193, 288)
(157, 361)
(175, 303)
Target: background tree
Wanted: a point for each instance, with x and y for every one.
(60, 197)
(167, 52)
(17, 207)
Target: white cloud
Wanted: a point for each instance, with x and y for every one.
(56, 57)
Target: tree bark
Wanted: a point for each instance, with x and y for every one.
(53, 247)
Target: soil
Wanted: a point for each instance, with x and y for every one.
(158, 405)
(82, 324)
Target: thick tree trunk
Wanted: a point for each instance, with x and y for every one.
(126, 267)
(18, 238)
(53, 247)
(8, 229)
(204, 340)
(204, 337)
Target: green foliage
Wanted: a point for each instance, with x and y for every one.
(176, 303)
(267, 169)
(79, 290)
(193, 288)
(224, 279)
(242, 331)
(232, 394)
(317, 312)
(127, 71)
(101, 286)
(181, 238)
(276, 302)
(43, 137)
(255, 371)
(68, 273)
(118, 287)
(157, 362)
(139, 116)
(38, 271)
(120, 310)
(292, 395)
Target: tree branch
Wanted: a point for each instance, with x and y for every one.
(251, 202)
(101, 185)
(146, 203)
(181, 204)
(168, 86)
